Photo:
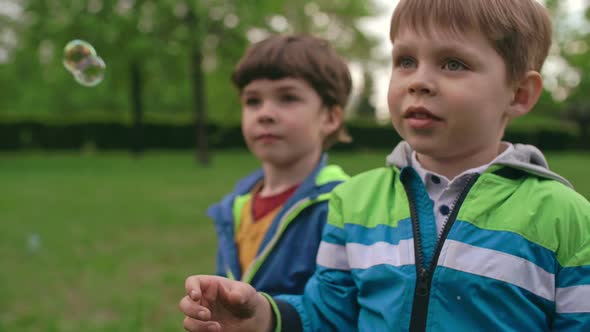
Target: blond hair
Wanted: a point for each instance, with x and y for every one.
(519, 30)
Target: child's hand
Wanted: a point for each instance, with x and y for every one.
(215, 304)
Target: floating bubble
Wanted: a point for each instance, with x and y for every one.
(90, 71)
(74, 54)
(82, 61)
(33, 242)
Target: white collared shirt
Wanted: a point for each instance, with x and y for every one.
(444, 192)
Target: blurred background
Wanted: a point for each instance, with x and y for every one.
(103, 188)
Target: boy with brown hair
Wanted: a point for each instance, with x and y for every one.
(462, 231)
(292, 90)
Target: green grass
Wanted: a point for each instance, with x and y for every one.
(117, 236)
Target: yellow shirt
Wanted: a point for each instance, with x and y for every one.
(250, 234)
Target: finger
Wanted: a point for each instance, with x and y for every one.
(193, 325)
(193, 309)
(237, 299)
(233, 293)
(192, 285)
(241, 293)
(207, 287)
(196, 285)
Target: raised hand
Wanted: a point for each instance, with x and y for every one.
(215, 304)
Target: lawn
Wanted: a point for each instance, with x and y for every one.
(103, 242)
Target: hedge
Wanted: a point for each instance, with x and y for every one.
(117, 134)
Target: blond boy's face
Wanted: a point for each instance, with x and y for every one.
(448, 94)
(283, 120)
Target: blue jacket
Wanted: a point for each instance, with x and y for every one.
(514, 255)
(286, 257)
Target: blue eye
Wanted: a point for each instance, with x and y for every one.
(454, 65)
(406, 62)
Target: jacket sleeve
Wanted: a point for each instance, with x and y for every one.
(572, 281)
(329, 300)
(221, 215)
(572, 293)
(212, 212)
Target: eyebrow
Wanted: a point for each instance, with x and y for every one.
(287, 87)
(397, 47)
(459, 49)
(284, 87)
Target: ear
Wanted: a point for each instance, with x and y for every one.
(332, 120)
(526, 94)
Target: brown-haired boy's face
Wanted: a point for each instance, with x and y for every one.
(448, 94)
(283, 121)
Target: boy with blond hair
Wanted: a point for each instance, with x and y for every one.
(461, 231)
(292, 89)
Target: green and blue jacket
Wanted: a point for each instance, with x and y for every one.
(286, 257)
(514, 254)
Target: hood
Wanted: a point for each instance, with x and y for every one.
(524, 157)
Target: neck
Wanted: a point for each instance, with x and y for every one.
(454, 165)
(278, 178)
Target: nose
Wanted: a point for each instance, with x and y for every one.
(420, 90)
(422, 83)
(266, 113)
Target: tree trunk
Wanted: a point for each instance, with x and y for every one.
(199, 93)
(137, 146)
(364, 108)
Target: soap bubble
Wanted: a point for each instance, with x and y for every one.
(33, 242)
(82, 61)
(91, 71)
(75, 52)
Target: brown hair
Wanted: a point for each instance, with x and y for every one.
(304, 57)
(519, 30)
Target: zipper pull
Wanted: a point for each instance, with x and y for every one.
(422, 283)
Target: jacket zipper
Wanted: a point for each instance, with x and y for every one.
(424, 274)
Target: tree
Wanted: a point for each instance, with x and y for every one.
(573, 41)
(365, 108)
(162, 56)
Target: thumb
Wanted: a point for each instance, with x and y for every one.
(238, 298)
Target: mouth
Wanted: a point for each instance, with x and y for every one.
(266, 137)
(419, 112)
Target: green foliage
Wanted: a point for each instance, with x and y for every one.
(573, 41)
(159, 36)
(535, 123)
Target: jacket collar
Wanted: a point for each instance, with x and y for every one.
(524, 157)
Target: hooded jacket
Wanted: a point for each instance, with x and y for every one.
(286, 257)
(513, 255)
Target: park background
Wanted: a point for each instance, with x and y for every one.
(103, 189)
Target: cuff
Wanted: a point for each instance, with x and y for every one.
(286, 318)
